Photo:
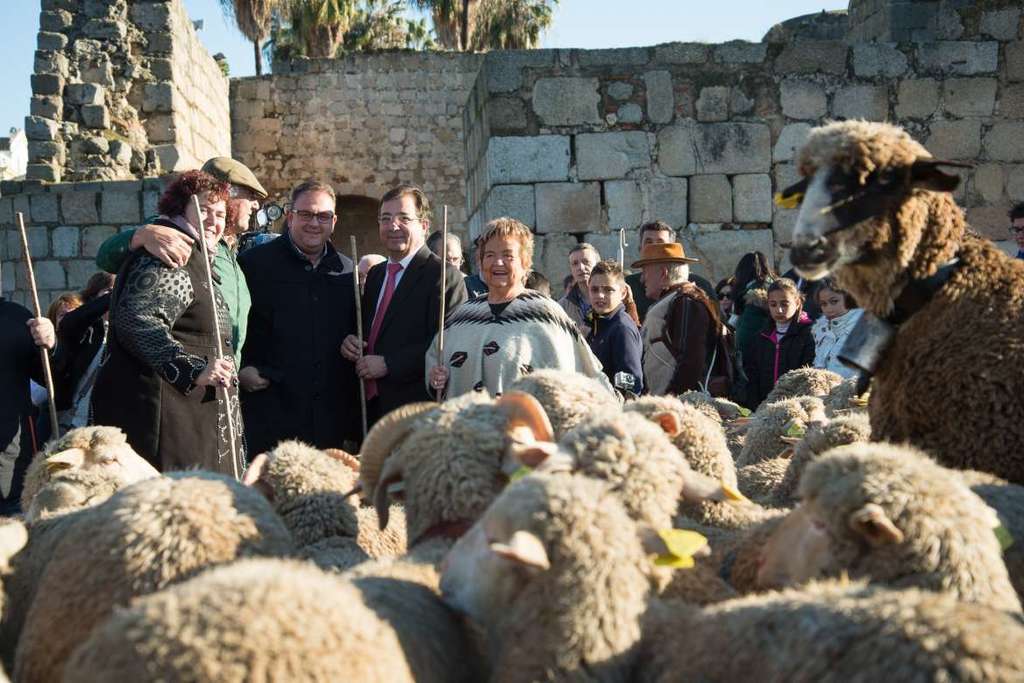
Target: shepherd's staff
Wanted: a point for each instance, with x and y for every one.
(444, 288)
(216, 332)
(359, 326)
(43, 352)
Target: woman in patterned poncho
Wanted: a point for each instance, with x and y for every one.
(159, 382)
(492, 340)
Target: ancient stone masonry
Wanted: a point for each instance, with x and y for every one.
(122, 89)
(364, 123)
(579, 143)
(66, 224)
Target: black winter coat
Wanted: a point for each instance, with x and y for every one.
(299, 317)
(81, 335)
(767, 360)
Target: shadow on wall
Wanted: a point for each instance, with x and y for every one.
(356, 216)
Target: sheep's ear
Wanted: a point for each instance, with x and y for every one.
(874, 526)
(523, 548)
(926, 174)
(532, 456)
(13, 537)
(255, 469)
(669, 423)
(69, 459)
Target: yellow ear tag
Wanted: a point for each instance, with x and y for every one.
(681, 544)
(520, 473)
(795, 429)
(744, 412)
(791, 201)
(733, 494)
(1004, 537)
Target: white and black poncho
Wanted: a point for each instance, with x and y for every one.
(487, 352)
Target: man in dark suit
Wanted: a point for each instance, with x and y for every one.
(295, 383)
(401, 305)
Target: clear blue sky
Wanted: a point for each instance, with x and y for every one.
(578, 23)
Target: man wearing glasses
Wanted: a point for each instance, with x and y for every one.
(295, 383)
(401, 305)
(1017, 228)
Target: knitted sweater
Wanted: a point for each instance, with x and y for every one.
(484, 352)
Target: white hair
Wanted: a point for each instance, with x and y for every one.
(678, 273)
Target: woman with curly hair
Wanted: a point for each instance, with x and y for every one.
(159, 381)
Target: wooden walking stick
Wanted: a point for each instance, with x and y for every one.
(216, 332)
(444, 288)
(359, 326)
(43, 352)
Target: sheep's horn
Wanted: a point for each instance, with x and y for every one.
(385, 436)
(344, 457)
(391, 474)
(358, 489)
(523, 410)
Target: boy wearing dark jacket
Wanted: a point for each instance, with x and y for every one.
(614, 337)
(783, 345)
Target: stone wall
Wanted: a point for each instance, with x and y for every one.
(580, 143)
(929, 20)
(364, 123)
(66, 223)
(122, 89)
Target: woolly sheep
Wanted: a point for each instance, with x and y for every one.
(13, 537)
(69, 490)
(307, 488)
(765, 432)
(833, 632)
(143, 538)
(567, 397)
(101, 449)
(942, 382)
(891, 515)
(454, 462)
(260, 619)
(723, 408)
(804, 382)
(1008, 501)
(819, 438)
(843, 399)
(553, 574)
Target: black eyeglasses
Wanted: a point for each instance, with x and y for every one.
(321, 217)
(1017, 229)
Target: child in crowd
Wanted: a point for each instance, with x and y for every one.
(839, 313)
(614, 337)
(784, 344)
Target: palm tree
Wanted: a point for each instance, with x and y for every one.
(453, 20)
(320, 25)
(252, 17)
(511, 24)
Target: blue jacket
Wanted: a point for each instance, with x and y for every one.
(615, 340)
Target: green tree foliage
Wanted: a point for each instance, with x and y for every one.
(252, 17)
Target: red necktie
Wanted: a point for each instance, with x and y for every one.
(378, 320)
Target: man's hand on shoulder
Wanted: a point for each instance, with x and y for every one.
(171, 246)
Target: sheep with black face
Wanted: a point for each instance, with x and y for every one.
(878, 215)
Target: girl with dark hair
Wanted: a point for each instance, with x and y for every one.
(752, 277)
(785, 343)
(839, 314)
(163, 381)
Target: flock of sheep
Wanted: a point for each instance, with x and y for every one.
(552, 534)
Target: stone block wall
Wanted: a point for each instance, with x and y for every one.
(579, 143)
(122, 89)
(66, 223)
(363, 123)
(900, 21)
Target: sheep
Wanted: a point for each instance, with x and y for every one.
(878, 215)
(103, 449)
(141, 539)
(259, 619)
(553, 573)
(307, 489)
(13, 537)
(829, 632)
(567, 397)
(723, 409)
(69, 490)
(1008, 501)
(764, 438)
(842, 399)
(891, 515)
(454, 462)
(819, 438)
(803, 382)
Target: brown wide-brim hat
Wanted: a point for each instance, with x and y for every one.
(227, 170)
(663, 253)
